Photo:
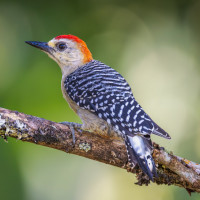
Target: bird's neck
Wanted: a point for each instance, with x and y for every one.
(70, 67)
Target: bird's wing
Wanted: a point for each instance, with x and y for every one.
(103, 91)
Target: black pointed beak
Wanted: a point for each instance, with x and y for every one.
(41, 45)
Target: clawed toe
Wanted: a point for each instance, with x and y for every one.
(72, 127)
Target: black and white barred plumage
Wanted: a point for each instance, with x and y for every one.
(103, 91)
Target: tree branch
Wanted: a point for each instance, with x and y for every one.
(172, 170)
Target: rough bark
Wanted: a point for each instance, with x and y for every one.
(171, 169)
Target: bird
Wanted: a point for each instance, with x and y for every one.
(103, 100)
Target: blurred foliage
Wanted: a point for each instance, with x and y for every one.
(154, 44)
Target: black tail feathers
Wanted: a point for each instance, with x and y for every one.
(139, 151)
(160, 132)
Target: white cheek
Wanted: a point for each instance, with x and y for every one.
(73, 55)
(62, 60)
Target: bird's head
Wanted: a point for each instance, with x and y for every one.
(70, 52)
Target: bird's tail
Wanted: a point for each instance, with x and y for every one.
(139, 150)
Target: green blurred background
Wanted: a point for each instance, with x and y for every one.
(155, 45)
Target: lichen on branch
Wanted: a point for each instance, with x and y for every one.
(171, 169)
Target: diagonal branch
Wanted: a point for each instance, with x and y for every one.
(172, 170)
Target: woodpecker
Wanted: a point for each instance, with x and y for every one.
(103, 99)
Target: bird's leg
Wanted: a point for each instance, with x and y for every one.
(72, 126)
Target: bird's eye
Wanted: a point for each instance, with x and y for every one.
(61, 46)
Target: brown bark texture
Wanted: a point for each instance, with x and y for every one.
(171, 169)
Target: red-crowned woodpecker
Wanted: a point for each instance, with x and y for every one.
(103, 99)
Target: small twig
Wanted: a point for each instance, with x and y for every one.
(172, 170)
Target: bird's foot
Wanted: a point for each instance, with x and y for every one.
(72, 127)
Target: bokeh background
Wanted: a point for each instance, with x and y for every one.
(154, 44)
